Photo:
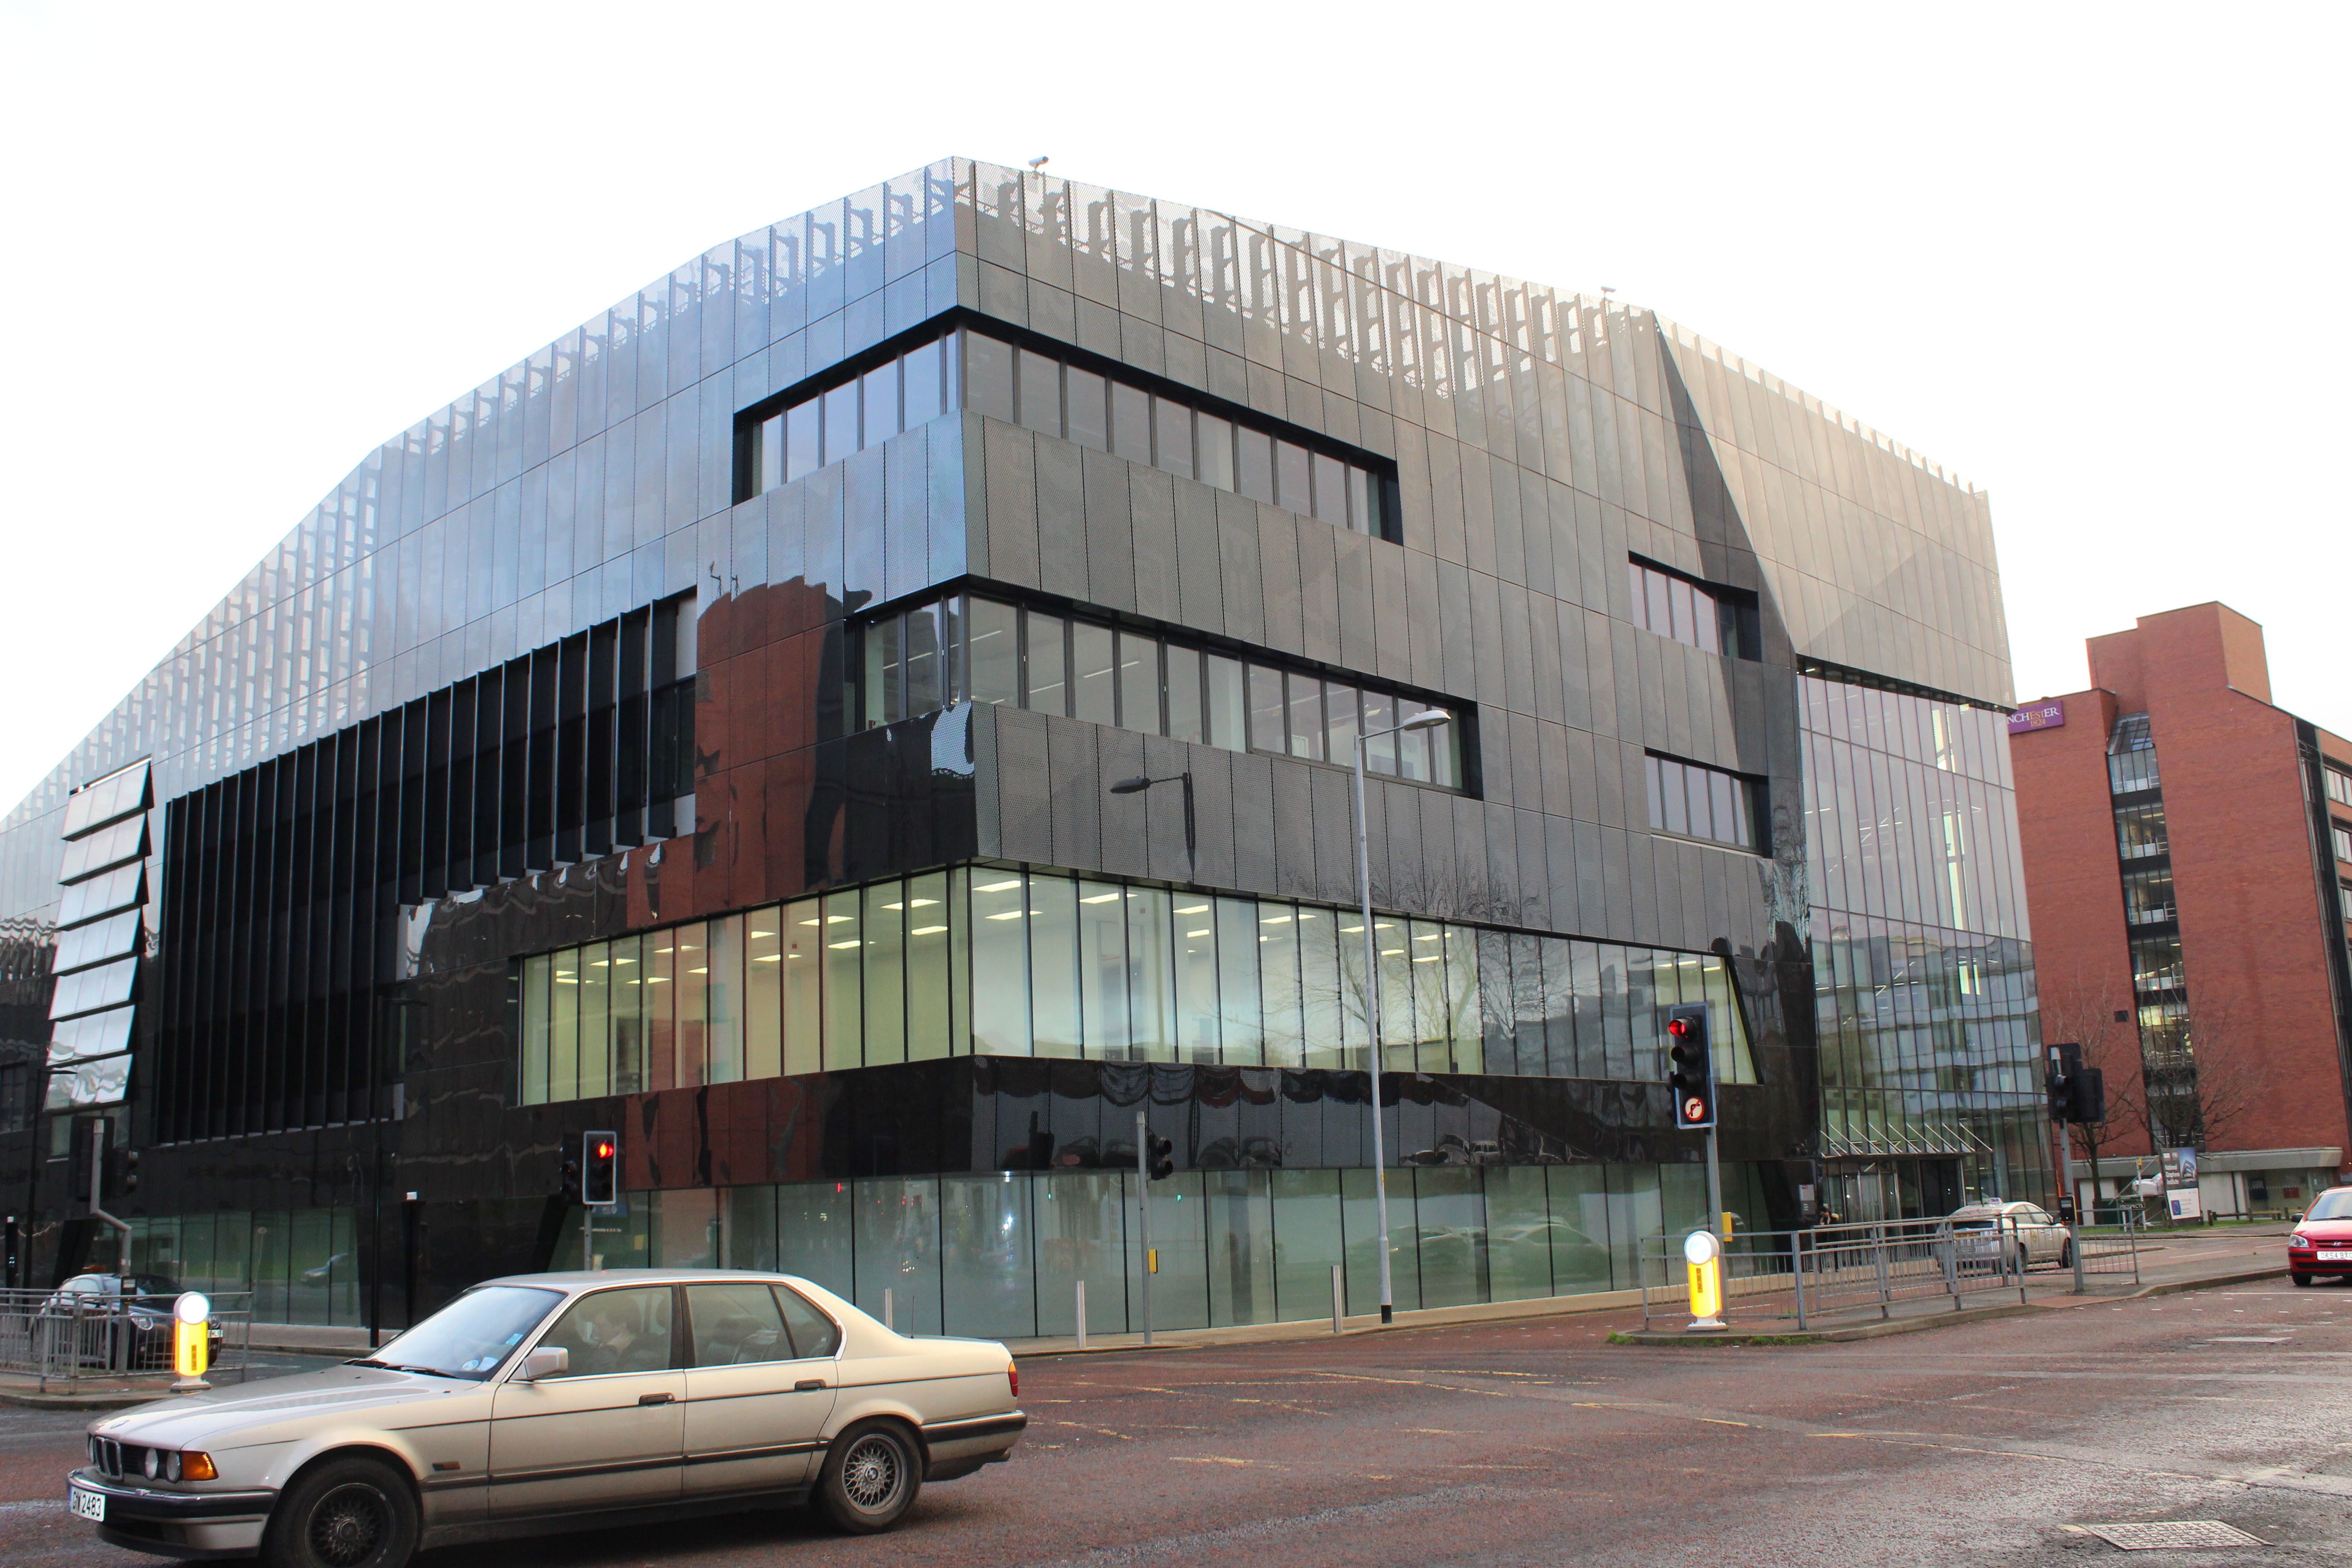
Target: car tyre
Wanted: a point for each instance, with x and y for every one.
(871, 1475)
(2301, 1280)
(2066, 1254)
(351, 1512)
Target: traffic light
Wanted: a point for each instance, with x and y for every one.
(1690, 1066)
(600, 1165)
(568, 1183)
(1159, 1157)
(2063, 1083)
(122, 1173)
(2088, 1101)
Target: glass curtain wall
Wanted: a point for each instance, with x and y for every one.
(982, 962)
(300, 1265)
(2160, 975)
(1000, 1254)
(1923, 973)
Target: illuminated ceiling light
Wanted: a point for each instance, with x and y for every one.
(1101, 898)
(1192, 934)
(1192, 909)
(1009, 915)
(1005, 887)
(927, 931)
(839, 946)
(920, 903)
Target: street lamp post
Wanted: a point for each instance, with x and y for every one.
(1428, 721)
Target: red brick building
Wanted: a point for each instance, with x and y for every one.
(2188, 851)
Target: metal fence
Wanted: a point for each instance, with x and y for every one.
(63, 1338)
(1799, 1276)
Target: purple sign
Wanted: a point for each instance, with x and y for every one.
(2041, 716)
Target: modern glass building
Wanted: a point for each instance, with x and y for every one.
(709, 728)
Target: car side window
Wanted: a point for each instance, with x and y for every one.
(734, 1324)
(813, 1334)
(610, 1331)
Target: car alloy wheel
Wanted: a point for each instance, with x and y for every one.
(348, 1511)
(349, 1524)
(871, 1476)
(874, 1474)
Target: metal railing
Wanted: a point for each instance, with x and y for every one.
(1801, 1276)
(64, 1338)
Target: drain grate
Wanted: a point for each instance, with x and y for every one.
(2171, 1533)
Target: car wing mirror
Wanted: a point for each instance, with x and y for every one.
(548, 1361)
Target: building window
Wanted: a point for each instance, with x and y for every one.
(2342, 834)
(2339, 784)
(820, 427)
(1706, 616)
(2343, 897)
(2148, 895)
(979, 961)
(2139, 830)
(1054, 394)
(916, 660)
(1694, 801)
(2157, 964)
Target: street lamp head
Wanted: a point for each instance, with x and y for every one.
(1429, 721)
(1130, 786)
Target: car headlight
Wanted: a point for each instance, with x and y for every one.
(191, 1466)
(2298, 1239)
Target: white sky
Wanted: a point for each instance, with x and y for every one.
(2089, 256)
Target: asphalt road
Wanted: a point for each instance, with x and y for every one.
(1539, 1443)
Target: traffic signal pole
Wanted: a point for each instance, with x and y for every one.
(1143, 1202)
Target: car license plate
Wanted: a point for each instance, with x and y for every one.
(2336, 1255)
(87, 1505)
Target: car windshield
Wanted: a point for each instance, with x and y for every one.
(149, 1286)
(471, 1336)
(2336, 1205)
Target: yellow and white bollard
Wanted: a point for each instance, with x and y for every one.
(192, 1348)
(1704, 1253)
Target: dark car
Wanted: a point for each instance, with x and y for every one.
(119, 1321)
(2322, 1242)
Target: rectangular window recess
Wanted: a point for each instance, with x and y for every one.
(1709, 617)
(1692, 800)
(962, 359)
(911, 659)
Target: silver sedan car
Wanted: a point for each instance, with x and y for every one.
(2011, 1236)
(548, 1402)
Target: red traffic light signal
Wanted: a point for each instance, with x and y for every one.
(1690, 1066)
(600, 1168)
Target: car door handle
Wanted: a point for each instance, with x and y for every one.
(807, 1383)
(656, 1398)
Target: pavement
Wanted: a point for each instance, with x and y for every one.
(1534, 1441)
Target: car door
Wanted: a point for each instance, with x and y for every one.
(2043, 1245)
(758, 1393)
(609, 1431)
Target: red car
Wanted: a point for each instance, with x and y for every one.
(2322, 1242)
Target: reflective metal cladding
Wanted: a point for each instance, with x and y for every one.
(804, 607)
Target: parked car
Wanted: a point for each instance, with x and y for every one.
(2011, 1236)
(111, 1320)
(546, 1401)
(2322, 1242)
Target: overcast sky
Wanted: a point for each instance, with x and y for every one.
(2088, 257)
